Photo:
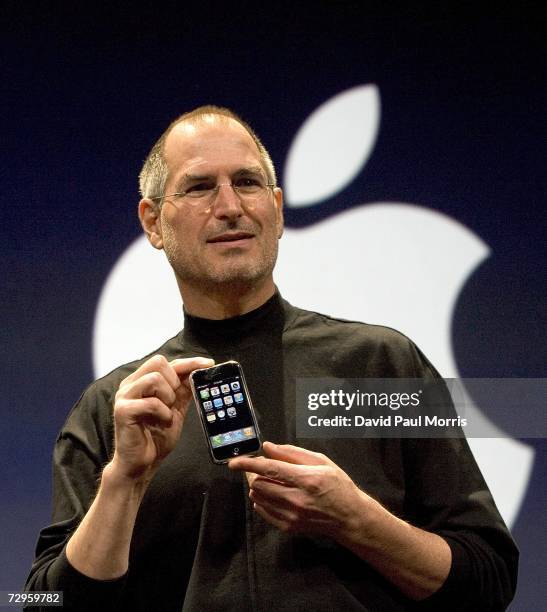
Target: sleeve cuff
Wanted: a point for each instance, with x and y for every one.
(454, 593)
(80, 592)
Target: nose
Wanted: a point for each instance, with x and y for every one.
(227, 203)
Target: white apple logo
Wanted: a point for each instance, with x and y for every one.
(391, 263)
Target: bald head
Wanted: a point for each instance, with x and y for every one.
(154, 173)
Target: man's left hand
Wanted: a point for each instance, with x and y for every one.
(300, 491)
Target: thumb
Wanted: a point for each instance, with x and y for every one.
(183, 367)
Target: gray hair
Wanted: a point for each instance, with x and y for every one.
(153, 175)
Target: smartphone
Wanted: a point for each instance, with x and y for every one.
(225, 410)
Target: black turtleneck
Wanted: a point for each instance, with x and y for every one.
(226, 335)
(198, 546)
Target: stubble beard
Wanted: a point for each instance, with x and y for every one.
(234, 274)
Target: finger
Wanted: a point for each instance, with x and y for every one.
(157, 363)
(269, 468)
(295, 454)
(182, 403)
(275, 496)
(274, 520)
(279, 512)
(289, 504)
(250, 478)
(152, 384)
(293, 520)
(151, 409)
(171, 371)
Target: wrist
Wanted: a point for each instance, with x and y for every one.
(116, 481)
(363, 522)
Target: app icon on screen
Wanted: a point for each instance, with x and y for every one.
(231, 412)
(218, 402)
(221, 414)
(238, 397)
(228, 400)
(215, 391)
(235, 386)
(204, 393)
(225, 388)
(211, 417)
(208, 405)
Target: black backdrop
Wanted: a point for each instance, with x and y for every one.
(87, 90)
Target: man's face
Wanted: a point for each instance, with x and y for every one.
(229, 241)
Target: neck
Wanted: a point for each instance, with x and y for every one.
(225, 302)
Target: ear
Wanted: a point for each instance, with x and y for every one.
(149, 215)
(278, 202)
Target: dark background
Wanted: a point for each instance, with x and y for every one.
(88, 88)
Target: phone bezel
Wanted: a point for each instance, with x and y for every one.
(195, 374)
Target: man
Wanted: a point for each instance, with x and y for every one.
(144, 521)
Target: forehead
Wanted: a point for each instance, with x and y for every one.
(209, 146)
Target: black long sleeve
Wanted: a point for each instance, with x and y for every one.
(197, 545)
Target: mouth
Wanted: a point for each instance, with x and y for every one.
(228, 237)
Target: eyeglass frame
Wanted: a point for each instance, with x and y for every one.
(214, 193)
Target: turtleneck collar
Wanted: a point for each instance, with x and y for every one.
(239, 331)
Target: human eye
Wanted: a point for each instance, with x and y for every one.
(200, 189)
(249, 184)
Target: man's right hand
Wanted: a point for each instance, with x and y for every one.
(149, 412)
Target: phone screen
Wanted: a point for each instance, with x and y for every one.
(226, 411)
